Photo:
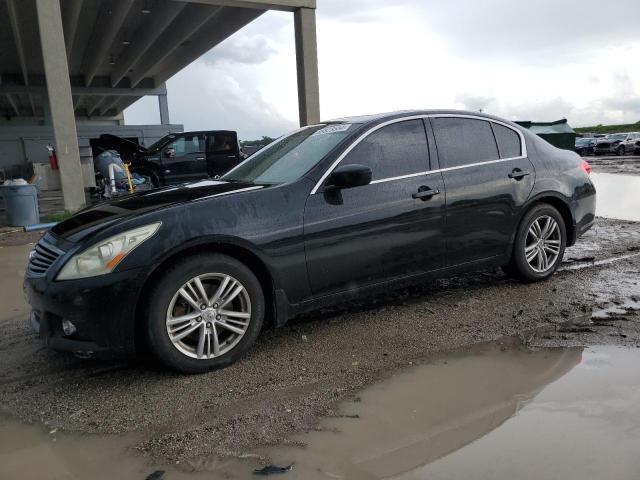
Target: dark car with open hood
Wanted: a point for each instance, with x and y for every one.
(180, 157)
(192, 273)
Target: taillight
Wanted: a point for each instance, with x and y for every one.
(586, 168)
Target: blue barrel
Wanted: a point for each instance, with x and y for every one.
(21, 204)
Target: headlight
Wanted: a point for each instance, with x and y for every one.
(103, 257)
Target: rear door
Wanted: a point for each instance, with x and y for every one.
(365, 235)
(184, 159)
(223, 152)
(488, 178)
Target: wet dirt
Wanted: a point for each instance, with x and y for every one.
(620, 165)
(301, 373)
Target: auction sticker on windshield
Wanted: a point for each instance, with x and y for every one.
(343, 127)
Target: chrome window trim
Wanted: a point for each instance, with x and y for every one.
(523, 147)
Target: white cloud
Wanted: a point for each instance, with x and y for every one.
(536, 60)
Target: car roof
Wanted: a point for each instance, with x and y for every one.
(380, 117)
(202, 131)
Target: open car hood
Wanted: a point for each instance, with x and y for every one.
(123, 146)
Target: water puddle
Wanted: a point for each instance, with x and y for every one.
(497, 411)
(30, 452)
(494, 414)
(618, 196)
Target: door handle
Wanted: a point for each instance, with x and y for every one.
(231, 156)
(517, 174)
(425, 193)
(200, 158)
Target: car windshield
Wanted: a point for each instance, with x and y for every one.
(583, 140)
(162, 142)
(291, 156)
(617, 136)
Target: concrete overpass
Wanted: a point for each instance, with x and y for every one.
(66, 59)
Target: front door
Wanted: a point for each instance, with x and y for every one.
(184, 159)
(488, 179)
(389, 228)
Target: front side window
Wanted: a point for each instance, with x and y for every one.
(463, 141)
(291, 156)
(187, 144)
(508, 141)
(392, 151)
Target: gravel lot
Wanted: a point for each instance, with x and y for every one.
(297, 374)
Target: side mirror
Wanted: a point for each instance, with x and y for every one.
(349, 176)
(170, 152)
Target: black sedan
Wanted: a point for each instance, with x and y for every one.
(192, 273)
(585, 146)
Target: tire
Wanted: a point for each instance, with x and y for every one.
(581, 152)
(168, 314)
(535, 269)
(620, 151)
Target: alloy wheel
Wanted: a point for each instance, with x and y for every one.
(208, 315)
(543, 243)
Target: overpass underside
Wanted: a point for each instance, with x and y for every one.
(62, 60)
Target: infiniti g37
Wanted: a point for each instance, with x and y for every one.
(191, 273)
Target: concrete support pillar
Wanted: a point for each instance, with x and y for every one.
(307, 66)
(163, 104)
(60, 102)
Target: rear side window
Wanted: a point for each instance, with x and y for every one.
(221, 143)
(463, 141)
(395, 150)
(508, 141)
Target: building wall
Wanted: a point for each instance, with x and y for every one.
(23, 145)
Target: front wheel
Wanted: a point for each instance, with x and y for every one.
(539, 245)
(621, 151)
(204, 313)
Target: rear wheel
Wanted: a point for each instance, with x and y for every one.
(204, 313)
(539, 245)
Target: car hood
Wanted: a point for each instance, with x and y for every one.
(123, 146)
(92, 219)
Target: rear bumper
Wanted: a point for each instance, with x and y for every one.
(583, 211)
(102, 309)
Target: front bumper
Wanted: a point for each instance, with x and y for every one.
(101, 308)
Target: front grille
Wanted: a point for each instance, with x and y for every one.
(43, 256)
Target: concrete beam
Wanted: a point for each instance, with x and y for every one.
(92, 108)
(162, 15)
(190, 20)
(70, 18)
(17, 38)
(13, 103)
(60, 102)
(102, 91)
(163, 105)
(110, 104)
(107, 29)
(307, 66)
(216, 30)
(286, 5)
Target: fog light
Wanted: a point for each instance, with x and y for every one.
(68, 328)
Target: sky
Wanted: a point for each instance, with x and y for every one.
(538, 60)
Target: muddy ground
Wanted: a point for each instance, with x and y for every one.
(297, 374)
(625, 165)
